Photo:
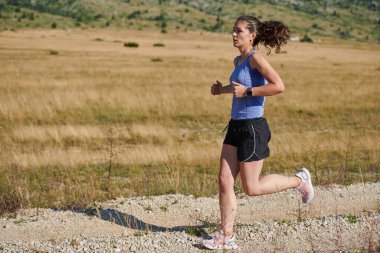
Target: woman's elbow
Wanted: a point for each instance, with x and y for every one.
(280, 87)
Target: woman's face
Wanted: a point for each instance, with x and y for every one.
(241, 36)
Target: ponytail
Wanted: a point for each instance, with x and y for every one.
(272, 34)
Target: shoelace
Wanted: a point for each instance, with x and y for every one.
(219, 239)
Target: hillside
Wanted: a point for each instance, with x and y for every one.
(353, 20)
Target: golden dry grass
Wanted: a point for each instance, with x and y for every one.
(66, 95)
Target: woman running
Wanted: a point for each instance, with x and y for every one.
(246, 143)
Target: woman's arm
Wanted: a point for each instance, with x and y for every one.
(218, 88)
(274, 86)
(227, 89)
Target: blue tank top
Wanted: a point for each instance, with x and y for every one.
(247, 107)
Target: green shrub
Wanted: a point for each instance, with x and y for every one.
(306, 38)
(135, 14)
(316, 26)
(156, 59)
(158, 45)
(53, 52)
(344, 35)
(10, 200)
(352, 218)
(194, 231)
(131, 44)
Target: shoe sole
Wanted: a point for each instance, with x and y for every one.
(219, 248)
(311, 186)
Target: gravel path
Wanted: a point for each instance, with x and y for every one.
(341, 218)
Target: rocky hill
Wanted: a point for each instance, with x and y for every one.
(351, 20)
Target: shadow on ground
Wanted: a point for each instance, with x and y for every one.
(130, 221)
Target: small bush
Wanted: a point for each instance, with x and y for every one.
(98, 39)
(352, 218)
(131, 44)
(344, 35)
(316, 26)
(135, 14)
(140, 233)
(156, 59)
(306, 38)
(195, 231)
(10, 200)
(54, 25)
(53, 52)
(335, 14)
(158, 45)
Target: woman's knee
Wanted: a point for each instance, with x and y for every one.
(226, 182)
(252, 190)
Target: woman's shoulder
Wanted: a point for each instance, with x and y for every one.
(257, 58)
(257, 54)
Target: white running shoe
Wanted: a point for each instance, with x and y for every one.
(306, 187)
(219, 241)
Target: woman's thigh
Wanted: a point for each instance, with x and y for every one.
(229, 164)
(250, 173)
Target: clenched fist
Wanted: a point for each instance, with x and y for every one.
(216, 88)
(239, 90)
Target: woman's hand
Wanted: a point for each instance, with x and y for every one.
(216, 88)
(239, 90)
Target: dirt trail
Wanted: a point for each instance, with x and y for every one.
(151, 224)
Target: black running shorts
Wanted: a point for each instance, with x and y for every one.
(251, 137)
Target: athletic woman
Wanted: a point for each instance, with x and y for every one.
(246, 143)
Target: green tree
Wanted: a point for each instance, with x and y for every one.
(325, 5)
(31, 16)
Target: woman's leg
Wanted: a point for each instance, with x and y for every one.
(253, 185)
(229, 169)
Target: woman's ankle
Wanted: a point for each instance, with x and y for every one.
(227, 233)
(298, 181)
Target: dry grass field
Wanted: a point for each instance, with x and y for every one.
(84, 118)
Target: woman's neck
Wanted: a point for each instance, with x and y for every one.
(245, 51)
